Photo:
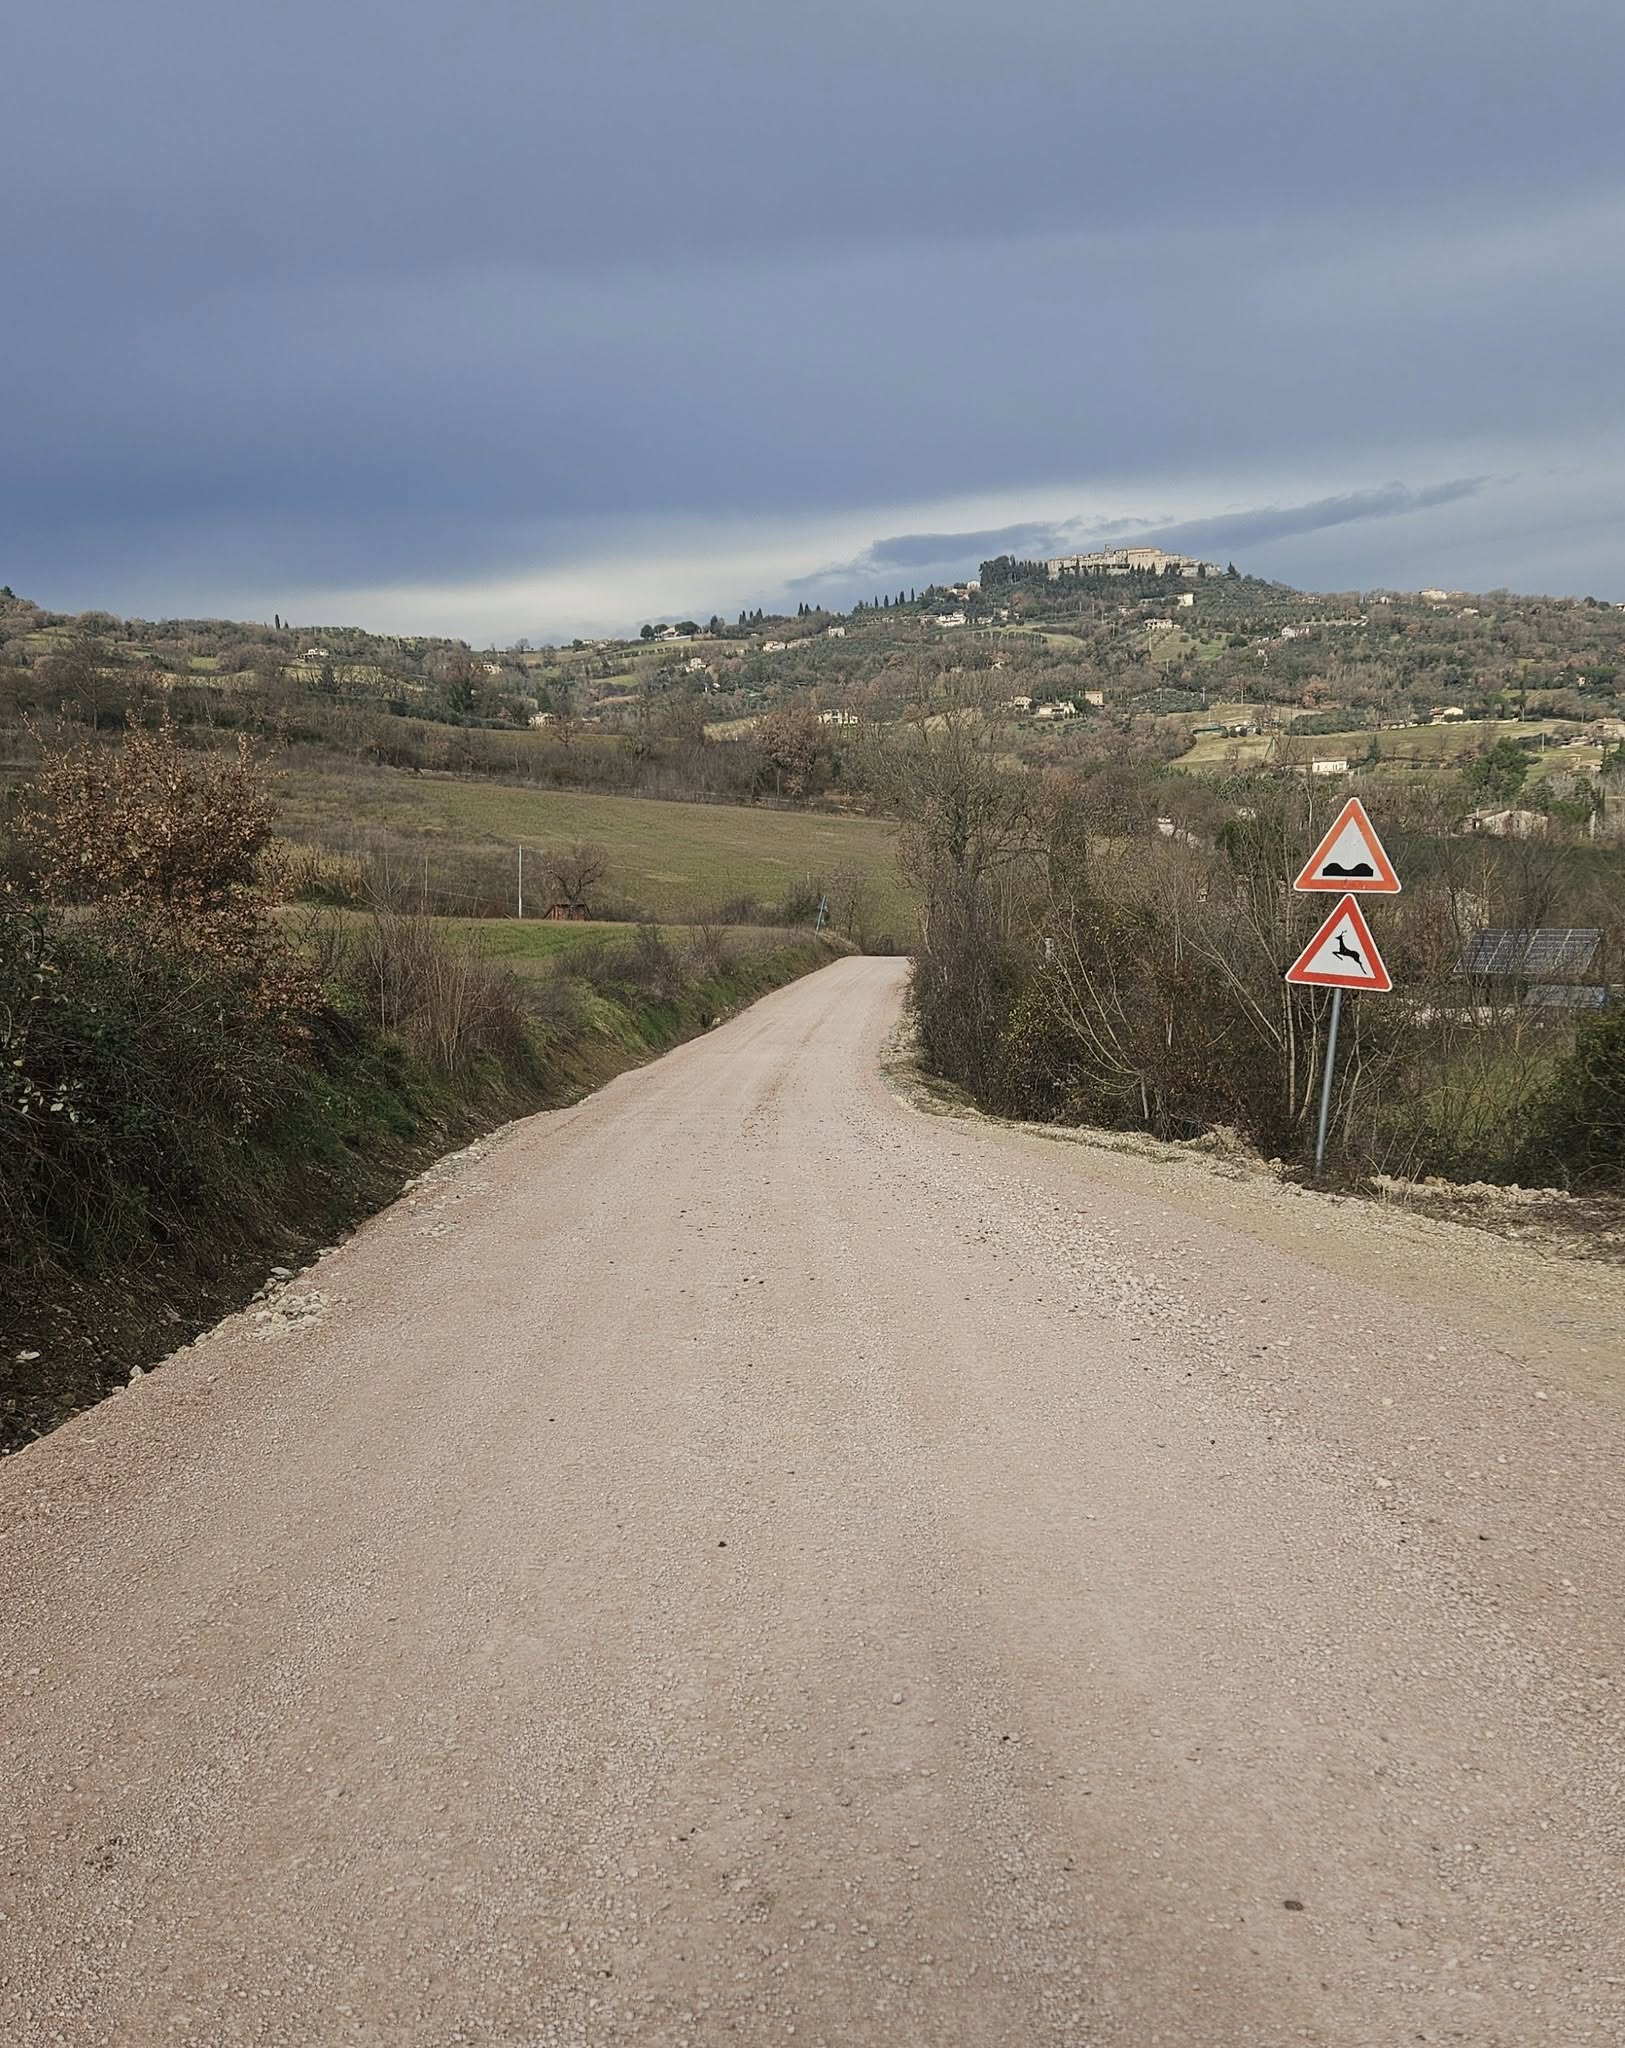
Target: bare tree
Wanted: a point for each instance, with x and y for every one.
(564, 702)
(968, 835)
(574, 871)
(850, 895)
(76, 672)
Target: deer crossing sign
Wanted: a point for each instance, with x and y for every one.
(1342, 954)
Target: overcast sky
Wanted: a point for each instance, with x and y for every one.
(547, 316)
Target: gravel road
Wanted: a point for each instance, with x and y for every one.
(741, 1561)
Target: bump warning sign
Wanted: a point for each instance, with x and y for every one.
(1350, 859)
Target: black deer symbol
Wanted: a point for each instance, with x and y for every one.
(1344, 951)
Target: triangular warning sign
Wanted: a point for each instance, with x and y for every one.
(1341, 955)
(1350, 858)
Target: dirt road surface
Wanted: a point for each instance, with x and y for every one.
(741, 1561)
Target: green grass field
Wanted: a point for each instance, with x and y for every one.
(673, 860)
(530, 947)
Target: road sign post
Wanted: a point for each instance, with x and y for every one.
(1326, 1081)
(1350, 859)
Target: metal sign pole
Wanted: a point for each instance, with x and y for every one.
(1326, 1080)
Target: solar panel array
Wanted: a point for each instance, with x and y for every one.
(1531, 955)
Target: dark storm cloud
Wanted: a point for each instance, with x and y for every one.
(364, 292)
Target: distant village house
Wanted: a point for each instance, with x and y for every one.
(1508, 823)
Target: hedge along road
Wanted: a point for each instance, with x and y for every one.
(742, 1561)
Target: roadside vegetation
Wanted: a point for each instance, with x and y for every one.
(1107, 948)
(200, 1079)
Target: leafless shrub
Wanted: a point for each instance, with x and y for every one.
(652, 965)
(435, 992)
(710, 948)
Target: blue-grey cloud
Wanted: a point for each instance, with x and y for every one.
(925, 550)
(382, 291)
(1231, 531)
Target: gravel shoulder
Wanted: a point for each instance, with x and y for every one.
(739, 1561)
(1525, 1275)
